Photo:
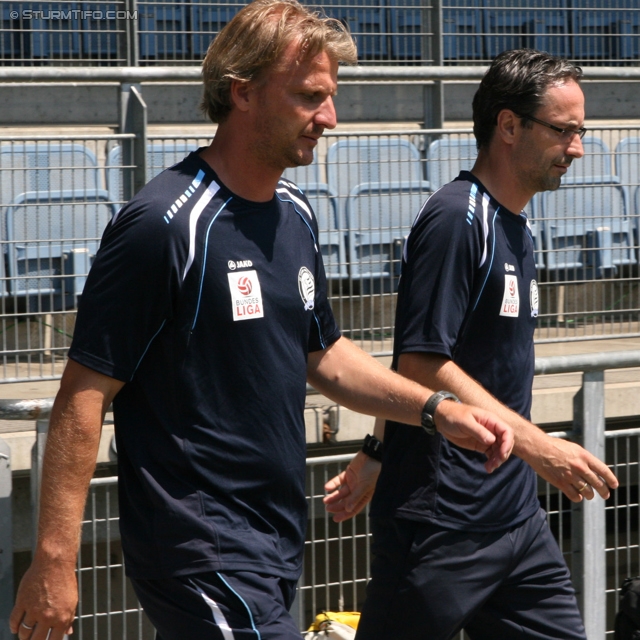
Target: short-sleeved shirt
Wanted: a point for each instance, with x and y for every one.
(468, 292)
(207, 306)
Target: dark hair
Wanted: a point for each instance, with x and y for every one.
(254, 40)
(517, 80)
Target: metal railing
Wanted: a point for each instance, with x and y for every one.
(58, 192)
(600, 540)
(142, 32)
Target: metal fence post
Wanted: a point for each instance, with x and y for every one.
(6, 541)
(133, 119)
(588, 517)
(37, 456)
(433, 92)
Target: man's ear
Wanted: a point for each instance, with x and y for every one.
(241, 94)
(507, 125)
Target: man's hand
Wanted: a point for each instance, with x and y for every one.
(350, 491)
(46, 601)
(572, 469)
(476, 429)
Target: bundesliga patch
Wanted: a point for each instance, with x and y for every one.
(246, 296)
(511, 298)
(307, 288)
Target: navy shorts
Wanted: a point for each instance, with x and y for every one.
(237, 605)
(429, 582)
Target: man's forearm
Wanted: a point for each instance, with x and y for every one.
(440, 373)
(69, 463)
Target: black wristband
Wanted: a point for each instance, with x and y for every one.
(429, 410)
(372, 447)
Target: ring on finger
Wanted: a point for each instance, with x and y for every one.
(583, 487)
(26, 626)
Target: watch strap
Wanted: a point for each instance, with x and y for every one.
(429, 410)
(372, 447)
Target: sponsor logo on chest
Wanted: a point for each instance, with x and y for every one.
(246, 295)
(511, 298)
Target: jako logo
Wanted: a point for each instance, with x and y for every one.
(241, 264)
(244, 286)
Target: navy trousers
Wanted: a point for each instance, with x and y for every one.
(427, 583)
(236, 605)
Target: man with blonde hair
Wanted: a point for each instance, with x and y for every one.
(203, 316)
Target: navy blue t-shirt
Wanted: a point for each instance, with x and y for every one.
(207, 306)
(468, 291)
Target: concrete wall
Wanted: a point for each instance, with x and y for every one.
(97, 104)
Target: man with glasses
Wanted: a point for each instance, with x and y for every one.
(455, 548)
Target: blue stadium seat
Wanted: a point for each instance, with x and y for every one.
(587, 227)
(462, 30)
(368, 24)
(354, 161)
(630, 34)
(207, 20)
(506, 26)
(55, 32)
(46, 166)
(11, 32)
(407, 31)
(595, 167)
(160, 155)
(305, 175)
(379, 217)
(550, 28)
(100, 36)
(447, 157)
(162, 30)
(627, 161)
(51, 240)
(595, 31)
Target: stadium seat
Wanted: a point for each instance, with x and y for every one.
(354, 161)
(595, 167)
(407, 30)
(46, 166)
(586, 227)
(160, 156)
(51, 239)
(379, 217)
(207, 20)
(630, 34)
(100, 36)
(462, 30)
(162, 30)
(55, 34)
(550, 28)
(506, 26)
(367, 23)
(627, 161)
(447, 157)
(595, 31)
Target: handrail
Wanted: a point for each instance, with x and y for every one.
(588, 362)
(39, 408)
(346, 73)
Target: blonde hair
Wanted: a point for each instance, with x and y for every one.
(253, 42)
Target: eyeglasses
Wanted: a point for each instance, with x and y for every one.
(565, 133)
